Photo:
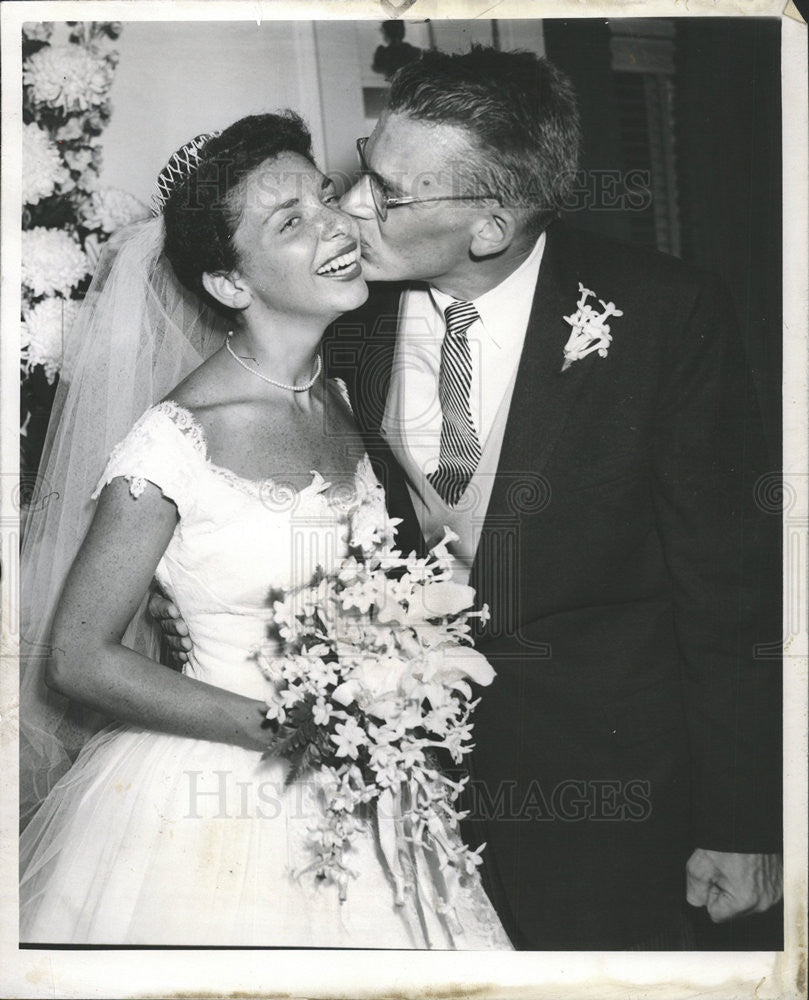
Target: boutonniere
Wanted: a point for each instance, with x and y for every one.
(590, 330)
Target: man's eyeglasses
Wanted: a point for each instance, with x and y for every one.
(383, 201)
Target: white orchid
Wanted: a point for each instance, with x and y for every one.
(456, 663)
(439, 600)
(373, 677)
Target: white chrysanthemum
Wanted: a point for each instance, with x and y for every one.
(110, 208)
(37, 31)
(52, 262)
(72, 129)
(43, 331)
(88, 181)
(67, 77)
(42, 167)
(78, 159)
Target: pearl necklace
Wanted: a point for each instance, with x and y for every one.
(265, 378)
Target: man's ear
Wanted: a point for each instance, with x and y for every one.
(227, 288)
(494, 231)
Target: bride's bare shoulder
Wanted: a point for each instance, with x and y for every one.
(205, 391)
(216, 403)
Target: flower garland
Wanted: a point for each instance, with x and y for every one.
(68, 71)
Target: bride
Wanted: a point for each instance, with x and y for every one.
(170, 828)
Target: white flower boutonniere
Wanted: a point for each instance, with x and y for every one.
(590, 330)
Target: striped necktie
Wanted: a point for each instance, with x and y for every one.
(460, 447)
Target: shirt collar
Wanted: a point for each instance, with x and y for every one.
(499, 301)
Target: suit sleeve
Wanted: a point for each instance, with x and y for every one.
(723, 551)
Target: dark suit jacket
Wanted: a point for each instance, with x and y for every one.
(632, 575)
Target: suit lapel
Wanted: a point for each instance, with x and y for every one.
(361, 348)
(543, 394)
(376, 343)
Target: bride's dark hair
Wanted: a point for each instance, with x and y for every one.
(203, 208)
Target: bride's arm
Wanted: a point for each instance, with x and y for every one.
(106, 584)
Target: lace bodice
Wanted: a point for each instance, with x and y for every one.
(238, 542)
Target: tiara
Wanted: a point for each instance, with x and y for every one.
(180, 166)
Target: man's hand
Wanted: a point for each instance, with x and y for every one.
(734, 885)
(175, 631)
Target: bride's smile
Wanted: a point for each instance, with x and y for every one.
(298, 253)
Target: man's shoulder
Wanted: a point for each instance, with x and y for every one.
(628, 266)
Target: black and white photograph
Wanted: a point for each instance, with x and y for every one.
(403, 500)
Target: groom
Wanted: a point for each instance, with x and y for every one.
(580, 413)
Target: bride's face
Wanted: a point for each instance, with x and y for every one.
(298, 253)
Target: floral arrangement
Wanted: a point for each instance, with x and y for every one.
(68, 70)
(45, 170)
(371, 667)
(76, 78)
(53, 263)
(42, 332)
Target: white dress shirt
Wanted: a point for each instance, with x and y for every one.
(495, 342)
(412, 420)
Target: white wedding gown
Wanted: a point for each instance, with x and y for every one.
(163, 840)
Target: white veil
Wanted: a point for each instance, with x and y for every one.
(137, 334)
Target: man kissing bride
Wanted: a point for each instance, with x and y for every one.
(593, 465)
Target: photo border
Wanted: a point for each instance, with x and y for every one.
(136, 972)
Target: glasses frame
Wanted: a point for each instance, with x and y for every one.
(382, 201)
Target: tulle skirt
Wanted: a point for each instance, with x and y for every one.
(156, 839)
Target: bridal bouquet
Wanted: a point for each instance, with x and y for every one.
(370, 679)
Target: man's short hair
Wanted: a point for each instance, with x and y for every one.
(521, 115)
